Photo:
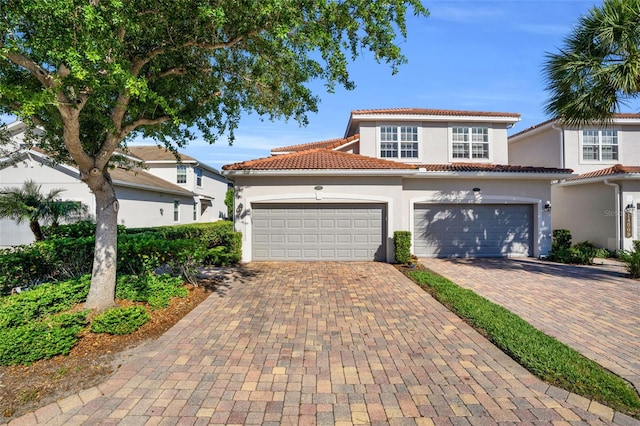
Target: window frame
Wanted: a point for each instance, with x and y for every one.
(199, 176)
(398, 149)
(195, 212)
(176, 211)
(179, 169)
(599, 145)
(469, 145)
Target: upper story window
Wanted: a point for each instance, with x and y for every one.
(198, 177)
(181, 173)
(399, 142)
(600, 145)
(470, 143)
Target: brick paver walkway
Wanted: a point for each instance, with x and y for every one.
(322, 343)
(594, 309)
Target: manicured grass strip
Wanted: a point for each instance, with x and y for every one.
(544, 356)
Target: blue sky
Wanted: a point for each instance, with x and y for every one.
(470, 55)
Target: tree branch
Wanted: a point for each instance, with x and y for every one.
(142, 122)
(36, 70)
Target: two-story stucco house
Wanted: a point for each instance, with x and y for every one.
(441, 174)
(600, 204)
(148, 197)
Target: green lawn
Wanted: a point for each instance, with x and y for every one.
(544, 356)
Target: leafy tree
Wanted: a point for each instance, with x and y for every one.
(94, 74)
(28, 204)
(598, 69)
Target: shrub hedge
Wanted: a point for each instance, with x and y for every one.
(402, 246)
(182, 249)
(120, 320)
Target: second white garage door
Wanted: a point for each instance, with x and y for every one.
(318, 232)
(483, 230)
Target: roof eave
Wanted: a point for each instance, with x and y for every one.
(493, 175)
(321, 172)
(598, 179)
(124, 183)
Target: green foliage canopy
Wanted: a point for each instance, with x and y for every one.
(598, 68)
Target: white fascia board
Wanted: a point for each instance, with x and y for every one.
(599, 179)
(153, 188)
(319, 172)
(532, 132)
(346, 144)
(493, 175)
(439, 118)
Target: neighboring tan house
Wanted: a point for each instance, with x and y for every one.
(146, 199)
(602, 203)
(441, 174)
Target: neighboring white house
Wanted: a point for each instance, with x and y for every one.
(442, 174)
(602, 203)
(146, 198)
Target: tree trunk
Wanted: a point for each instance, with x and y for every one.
(37, 231)
(103, 277)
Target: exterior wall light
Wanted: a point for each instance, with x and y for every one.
(239, 208)
(547, 206)
(629, 208)
(161, 211)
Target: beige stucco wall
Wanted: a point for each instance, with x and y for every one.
(435, 142)
(397, 194)
(540, 149)
(588, 211)
(301, 189)
(492, 191)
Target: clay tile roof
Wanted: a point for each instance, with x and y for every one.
(156, 153)
(426, 111)
(328, 144)
(619, 115)
(496, 168)
(318, 159)
(618, 169)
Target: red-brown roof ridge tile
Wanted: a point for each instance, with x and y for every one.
(479, 167)
(428, 111)
(617, 169)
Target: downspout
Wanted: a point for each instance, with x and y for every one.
(561, 130)
(618, 213)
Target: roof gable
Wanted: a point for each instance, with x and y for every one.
(327, 144)
(156, 153)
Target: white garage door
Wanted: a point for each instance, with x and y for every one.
(318, 232)
(487, 230)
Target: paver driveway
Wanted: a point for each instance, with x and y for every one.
(594, 309)
(321, 343)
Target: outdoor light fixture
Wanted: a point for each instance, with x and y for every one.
(161, 211)
(547, 206)
(239, 208)
(629, 208)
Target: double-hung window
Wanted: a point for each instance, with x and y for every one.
(198, 171)
(600, 145)
(470, 143)
(399, 142)
(181, 173)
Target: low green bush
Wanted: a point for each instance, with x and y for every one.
(37, 340)
(632, 260)
(120, 320)
(579, 254)
(543, 355)
(156, 290)
(561, 239)
(402, 246)
(42, 301)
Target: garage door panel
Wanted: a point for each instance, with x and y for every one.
(473, 231)
(326, 232)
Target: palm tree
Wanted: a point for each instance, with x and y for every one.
(598, 69)
(27, 203)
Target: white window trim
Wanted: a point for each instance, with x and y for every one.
(176, 220)
(195, 172)
(581, 159)
(420, 142)
(186, 173)
(490, 142)
(195, 211)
